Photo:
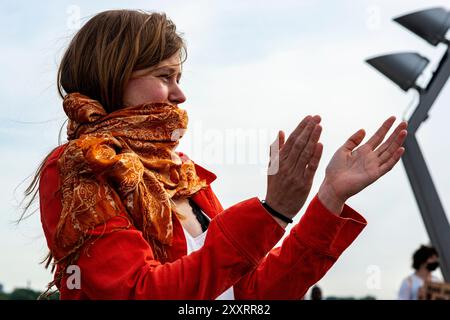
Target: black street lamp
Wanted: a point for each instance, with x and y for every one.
(404, 68)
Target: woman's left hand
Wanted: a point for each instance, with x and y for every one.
(351, 170)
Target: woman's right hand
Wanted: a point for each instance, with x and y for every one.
(292, 167)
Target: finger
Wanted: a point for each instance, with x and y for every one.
(354, 140)
(378, 137)
(403, 125)
(301, 126)
(300, 144)
(305, 156)
(388, 165)
(293, 137)
(313, 163)
(395, 145)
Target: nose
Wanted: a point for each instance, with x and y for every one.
(176, 95)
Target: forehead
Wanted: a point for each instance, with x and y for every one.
(174, 63)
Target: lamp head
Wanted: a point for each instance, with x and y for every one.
(431, 24)
(402, 68)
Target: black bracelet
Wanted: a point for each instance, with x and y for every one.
(276, 213)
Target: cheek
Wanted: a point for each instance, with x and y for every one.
(141, 90)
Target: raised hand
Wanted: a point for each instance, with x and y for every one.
(292, 167)
(352, 169)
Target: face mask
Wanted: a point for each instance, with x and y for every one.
(432, 266)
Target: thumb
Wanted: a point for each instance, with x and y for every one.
(355, 140)
(281, 139)
(278, 143)
(275, 153)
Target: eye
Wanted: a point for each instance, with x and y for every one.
(168, 77)
(164, 76)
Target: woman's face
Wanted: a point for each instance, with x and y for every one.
(159, 83)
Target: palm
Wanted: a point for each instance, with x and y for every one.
(351, 170)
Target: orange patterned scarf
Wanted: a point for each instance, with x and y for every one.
(121, 162)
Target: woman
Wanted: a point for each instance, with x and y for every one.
(425, 261)
(138, 220)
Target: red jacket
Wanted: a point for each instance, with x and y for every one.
(237, 251)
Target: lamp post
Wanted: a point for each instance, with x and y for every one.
(404, 69)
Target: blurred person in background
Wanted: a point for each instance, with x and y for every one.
(316, 293)
(425, 261)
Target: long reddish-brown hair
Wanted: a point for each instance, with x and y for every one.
(102, 55)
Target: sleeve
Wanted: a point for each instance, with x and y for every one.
(405, 290)
(307, 253)
(120, 264)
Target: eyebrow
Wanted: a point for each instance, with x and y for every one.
(167, 69)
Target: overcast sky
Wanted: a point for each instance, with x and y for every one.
(254, 67)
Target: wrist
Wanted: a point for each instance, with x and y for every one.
(282, 219)
(329, 199)
(280, 222)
